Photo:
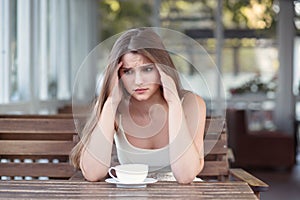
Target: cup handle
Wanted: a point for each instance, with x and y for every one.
(109, 172)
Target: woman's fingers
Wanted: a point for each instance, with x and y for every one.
(116, 72)
(115, 90)
(115, 76)
(168, 84)
(119, 65)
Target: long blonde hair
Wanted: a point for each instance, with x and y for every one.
(143, 41)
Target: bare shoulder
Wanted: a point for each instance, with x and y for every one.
(191, 99)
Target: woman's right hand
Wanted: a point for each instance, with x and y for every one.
(115, 91)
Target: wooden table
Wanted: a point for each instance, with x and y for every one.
(102, 190)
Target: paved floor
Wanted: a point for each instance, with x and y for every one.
(284, 185)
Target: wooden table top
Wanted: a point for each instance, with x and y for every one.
(101, 190)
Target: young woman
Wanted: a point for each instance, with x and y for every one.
(145, 111)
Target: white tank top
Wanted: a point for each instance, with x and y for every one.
(157, 159)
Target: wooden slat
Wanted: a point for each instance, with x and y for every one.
(24, 147)
(35, 125)
(37, 136)
(215, 125)
(215, 168)
(215, 147)
(255, 183)
(37, 116)
(213, 136)
(37, 169)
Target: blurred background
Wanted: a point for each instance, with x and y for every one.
(255, 45)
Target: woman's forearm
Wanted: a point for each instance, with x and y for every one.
(186, 157)
(96, 156)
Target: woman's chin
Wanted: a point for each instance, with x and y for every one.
(140, 97)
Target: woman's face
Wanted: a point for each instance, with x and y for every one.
(140, 76)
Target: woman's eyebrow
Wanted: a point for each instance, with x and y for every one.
(124, 67)
(146, 65)
(143, 65)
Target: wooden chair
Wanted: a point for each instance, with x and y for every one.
(36, 146)
(216, 165)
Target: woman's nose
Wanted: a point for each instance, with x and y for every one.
(138, 78)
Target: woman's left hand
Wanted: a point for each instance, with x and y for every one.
(169, 87)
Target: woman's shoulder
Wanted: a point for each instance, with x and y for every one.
(188, 95)
(190, 98)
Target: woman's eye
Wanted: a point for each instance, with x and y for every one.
(148, 69)
(127, 71)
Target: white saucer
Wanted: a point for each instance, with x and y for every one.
(131, 185)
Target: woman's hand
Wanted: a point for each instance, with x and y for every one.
(115, 91)
(169, 86)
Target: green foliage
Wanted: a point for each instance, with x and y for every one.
(242, 13)
(234, 7)
(120, 15)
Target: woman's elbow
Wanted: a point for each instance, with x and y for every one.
(93, 173)
(92, 170)
(188, 178)
(93, 177)
(185, 180)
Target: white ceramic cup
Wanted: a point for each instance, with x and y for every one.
(129, 173)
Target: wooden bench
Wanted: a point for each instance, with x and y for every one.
(52, 138)
(36, 146)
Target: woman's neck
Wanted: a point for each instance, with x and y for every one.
(143, 107)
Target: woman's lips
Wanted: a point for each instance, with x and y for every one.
(140, 90)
